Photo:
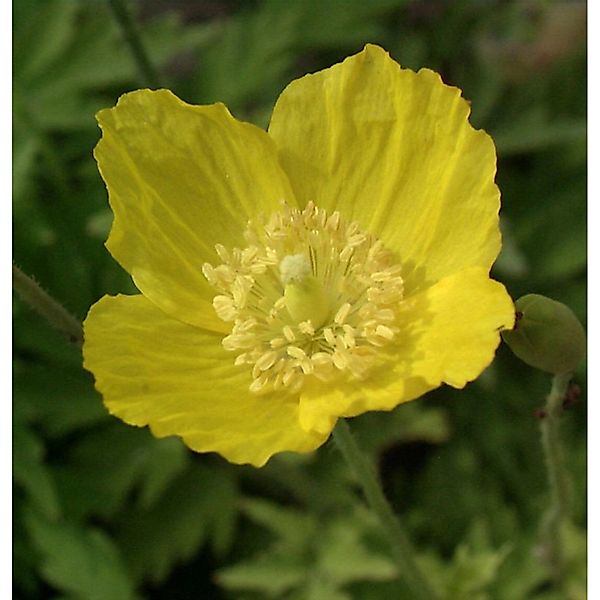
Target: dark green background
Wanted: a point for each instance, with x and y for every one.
(105, 511)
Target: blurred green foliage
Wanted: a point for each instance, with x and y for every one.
(106, 512)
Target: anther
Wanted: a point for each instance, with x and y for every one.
(309, 296)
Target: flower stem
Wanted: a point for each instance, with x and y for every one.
(397, 536)
(31, 293)
(558, 478)
(148, 73)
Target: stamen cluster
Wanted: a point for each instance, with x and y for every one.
(347, 321)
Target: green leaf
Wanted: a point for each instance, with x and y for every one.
(107, 465)
(291, 526)
(30, 471)
(58, 409)
(199, 504)
(471, 572)
(345, 558)
(319, 589)
(43, 37)
(521, 573)
(26, 582)
(83, 562)
(71, 49)
(324, 590)
(166, 459)
(554, 240)
(258, 61)
(224, 494)
(26, 146)
(310, 556)
(270, 574)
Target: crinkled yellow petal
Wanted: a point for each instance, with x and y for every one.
(393, 150)
(154, 370)
(181, 179)
(448, 334)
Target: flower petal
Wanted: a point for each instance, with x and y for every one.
(393, 150)
(181, 179)
(155, 370)
(448, 334)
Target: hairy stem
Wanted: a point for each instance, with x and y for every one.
(31, 293)
(399, 541)
(558, 478)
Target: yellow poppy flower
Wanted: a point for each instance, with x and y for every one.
(336, 264)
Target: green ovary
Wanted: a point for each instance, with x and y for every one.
(306, 300)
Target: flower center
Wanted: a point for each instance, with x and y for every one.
(309, 296)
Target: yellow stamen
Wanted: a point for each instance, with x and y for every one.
(310, 296)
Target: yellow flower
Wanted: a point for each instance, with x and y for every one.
(336, 264)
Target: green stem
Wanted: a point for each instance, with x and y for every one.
(148, 73)
(399, 541)
(31, 293)
(558, 478)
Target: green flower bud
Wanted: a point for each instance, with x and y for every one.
(547, 335)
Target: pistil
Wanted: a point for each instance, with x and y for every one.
(310, 296)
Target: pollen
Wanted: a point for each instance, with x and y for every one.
(309, 296)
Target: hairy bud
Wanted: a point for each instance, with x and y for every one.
(547, 335)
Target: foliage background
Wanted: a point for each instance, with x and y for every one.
(105, 511)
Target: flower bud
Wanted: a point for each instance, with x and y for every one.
(547, 335)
